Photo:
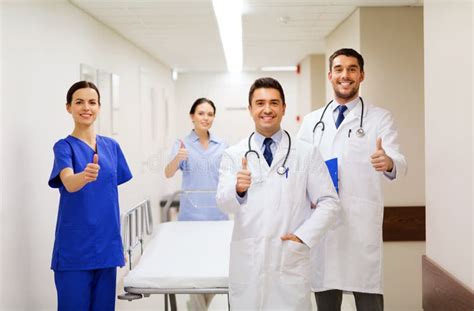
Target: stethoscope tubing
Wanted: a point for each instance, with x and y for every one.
(282, 169)
(323, 126)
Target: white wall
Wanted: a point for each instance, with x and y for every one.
(318, 80)
(312, 83)
(1, 144)
(346, 35)
(449, 154)
(391, 42)
(304, 87)
(46, 42)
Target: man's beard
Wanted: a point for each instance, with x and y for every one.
(350, 95)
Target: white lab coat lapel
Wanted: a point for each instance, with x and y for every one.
(280, 153)
(329, 132)
(334, 141)
(272, 176)
(278, 157)
(257, 165)
(352, 120)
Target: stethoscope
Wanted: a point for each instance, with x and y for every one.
(360, 131)
(282, 169)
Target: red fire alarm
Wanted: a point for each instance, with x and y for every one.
(298, 69)
(298, 118)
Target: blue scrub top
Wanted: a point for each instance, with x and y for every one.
(88, 226)
(200, 172)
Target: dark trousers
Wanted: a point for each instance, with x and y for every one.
(331, 300)
(86, 290)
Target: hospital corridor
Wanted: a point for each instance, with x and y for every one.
(237, 155)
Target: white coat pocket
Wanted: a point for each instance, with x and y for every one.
(295, 263)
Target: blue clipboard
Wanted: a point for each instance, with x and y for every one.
(332, 168)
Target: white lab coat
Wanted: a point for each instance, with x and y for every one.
(350, 256)
(267, 273)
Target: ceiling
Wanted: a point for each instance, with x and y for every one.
(183, 34)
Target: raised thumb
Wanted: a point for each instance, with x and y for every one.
(379, 143)
(244, 163)
(96, 158)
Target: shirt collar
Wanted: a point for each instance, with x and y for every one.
(350, 105)
(259, 138)
(194, 137)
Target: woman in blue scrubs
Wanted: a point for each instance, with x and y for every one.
(87, 170)
(198, 156)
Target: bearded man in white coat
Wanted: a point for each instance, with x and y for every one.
(270, 190)
(364, 141)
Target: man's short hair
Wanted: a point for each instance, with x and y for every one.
(350, 53)
(266, 83)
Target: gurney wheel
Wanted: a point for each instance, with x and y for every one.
(129, 296)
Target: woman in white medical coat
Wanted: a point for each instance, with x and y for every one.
(274, 226)
(349, 257)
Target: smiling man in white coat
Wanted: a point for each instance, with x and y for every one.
(364, 141)
(269, 181)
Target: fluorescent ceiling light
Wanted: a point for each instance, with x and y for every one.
(229, 19)
(279, 68)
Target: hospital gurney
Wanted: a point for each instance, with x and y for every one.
(188, 257)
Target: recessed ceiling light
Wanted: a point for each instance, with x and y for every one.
(229, 19)
(279, 68)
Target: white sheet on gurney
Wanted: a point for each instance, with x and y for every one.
(185, 254)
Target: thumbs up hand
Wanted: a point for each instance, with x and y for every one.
(91, 172)
(380, 160)
(244, 178)
(182, 152)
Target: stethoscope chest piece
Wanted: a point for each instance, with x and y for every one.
(281, 170)
(360, 132)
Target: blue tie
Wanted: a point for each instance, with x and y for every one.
(267, 153)
(340, 116)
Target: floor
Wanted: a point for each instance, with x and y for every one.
(219, 303)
